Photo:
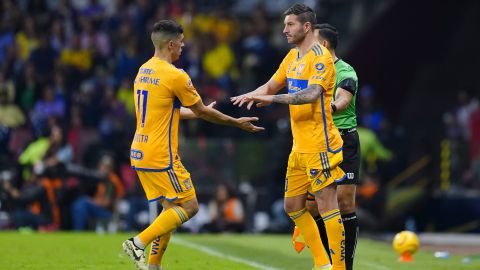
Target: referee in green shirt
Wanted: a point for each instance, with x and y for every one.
(345, 118)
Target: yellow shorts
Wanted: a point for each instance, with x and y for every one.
(172, 185)
(310, 172)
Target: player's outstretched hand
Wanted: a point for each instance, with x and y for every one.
(262, 101)
(240, 100)
(245, 123)
(211, 105)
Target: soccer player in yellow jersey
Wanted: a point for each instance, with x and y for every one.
(308, 73)
(160, 91)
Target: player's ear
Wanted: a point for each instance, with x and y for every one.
(307, 27)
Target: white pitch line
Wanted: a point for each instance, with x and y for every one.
(222, 255)
(375, 266)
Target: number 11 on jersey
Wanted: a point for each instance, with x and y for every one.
(143, 109)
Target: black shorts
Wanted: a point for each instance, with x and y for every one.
(351, 157)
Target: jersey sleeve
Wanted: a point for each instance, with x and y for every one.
(184, 90)
(280, 75)
(322, 72)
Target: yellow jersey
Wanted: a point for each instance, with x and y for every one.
(313, 129)
(160, 89)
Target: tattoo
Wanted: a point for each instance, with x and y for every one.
(308, 95)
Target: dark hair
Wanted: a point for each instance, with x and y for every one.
(167, 27)
(304, 13)
(329, 33)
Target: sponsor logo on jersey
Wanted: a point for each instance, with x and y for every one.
(136, 154)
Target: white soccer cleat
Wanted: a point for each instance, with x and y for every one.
(135, 253)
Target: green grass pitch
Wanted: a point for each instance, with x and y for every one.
(82, 251)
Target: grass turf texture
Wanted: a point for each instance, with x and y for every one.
(82, 251)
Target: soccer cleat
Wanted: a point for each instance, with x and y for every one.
(135, 253)
(297, 240)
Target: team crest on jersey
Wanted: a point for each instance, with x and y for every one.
(320, 67)
(188, 184)
(314, 172)
(319, 181)
(300, 69)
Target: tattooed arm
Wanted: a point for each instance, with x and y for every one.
(308, 95)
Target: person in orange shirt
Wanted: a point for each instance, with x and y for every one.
(160, 90)
(226, 212)
(308, 73)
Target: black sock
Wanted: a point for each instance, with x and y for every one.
(350, 223)
(323, 234)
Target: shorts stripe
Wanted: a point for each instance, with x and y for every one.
(175, 177)
(325, 165)
(172, 181)
(328, 164)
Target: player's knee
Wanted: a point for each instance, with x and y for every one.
(191, 207)
(346, 204)
(291, 206)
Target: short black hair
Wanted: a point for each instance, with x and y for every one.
(304, 13)
(163, 31)
(328, 32)
(167, 27)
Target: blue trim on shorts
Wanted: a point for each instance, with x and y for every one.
(163, 197)
(341, 179)
(150, 169)
(325, 127)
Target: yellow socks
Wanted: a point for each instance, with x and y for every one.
(336, 238)
(158, 248)
(304, 221)
(166, 222)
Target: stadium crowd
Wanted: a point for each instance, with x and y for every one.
(67, 113)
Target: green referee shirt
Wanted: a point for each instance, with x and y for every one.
(348, 118)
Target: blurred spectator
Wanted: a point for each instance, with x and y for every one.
(371, 116)
(27, 38)
(219, 62)
(76, 57)
(95, 41)
(36, 205)
(371, 199)
(27, 87)
(47, 154)
(226, 212)
(46, 108)
(372, 150)
(99, 202)
(44, 58)
(125, 95)
(10, 114)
